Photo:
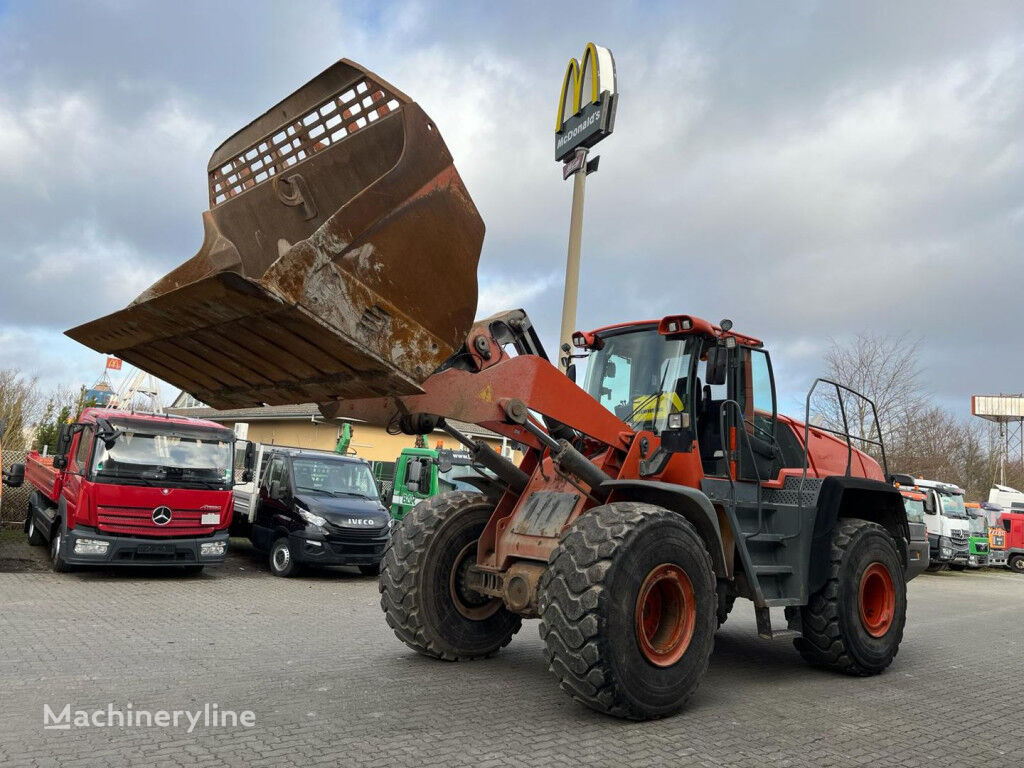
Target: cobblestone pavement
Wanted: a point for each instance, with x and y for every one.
(330, 684)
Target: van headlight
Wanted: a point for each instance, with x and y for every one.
(312, 519)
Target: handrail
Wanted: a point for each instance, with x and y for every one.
(840, 388)
(727, 451)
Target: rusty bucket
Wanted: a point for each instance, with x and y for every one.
(338, 260)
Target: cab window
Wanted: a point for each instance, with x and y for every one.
(915, 509)
(275, 473)
(82, 452)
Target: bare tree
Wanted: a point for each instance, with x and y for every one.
(19, 404)
(885, 369)
(920, 437)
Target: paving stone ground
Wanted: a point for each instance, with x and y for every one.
(329, 684)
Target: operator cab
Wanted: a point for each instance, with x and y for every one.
(692, 383)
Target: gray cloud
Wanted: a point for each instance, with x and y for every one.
(811, 171)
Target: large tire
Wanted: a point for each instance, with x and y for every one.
(1016, 563)
(628, 609)
(854, 624)
(57, 561)
(422, 582)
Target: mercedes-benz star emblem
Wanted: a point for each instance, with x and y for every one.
(162, 515)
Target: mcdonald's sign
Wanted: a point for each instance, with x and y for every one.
(586, 105)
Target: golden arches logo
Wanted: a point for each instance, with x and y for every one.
(591, 76)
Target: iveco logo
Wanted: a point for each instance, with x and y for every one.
(361, 521)
(162, 515)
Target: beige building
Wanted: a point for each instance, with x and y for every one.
(303, 426)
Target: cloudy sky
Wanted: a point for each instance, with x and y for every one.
(811, 170)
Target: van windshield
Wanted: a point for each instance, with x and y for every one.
(953, 505)
(334, 477)
(156, 455)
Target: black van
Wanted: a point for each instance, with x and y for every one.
(319, 508)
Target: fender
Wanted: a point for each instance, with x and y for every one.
(857, 497)
(689, 502)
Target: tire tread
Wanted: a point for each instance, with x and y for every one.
(572, 590)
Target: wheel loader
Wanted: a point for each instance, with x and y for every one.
(338, 264)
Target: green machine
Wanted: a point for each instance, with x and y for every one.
(978, 556)
(424, 472)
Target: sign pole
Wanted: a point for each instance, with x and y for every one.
(586, 115)
(572, 261)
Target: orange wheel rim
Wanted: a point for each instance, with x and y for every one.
(666, 613)
(877, 600)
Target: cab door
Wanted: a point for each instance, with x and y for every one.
(754, 390)
(77, 472)
(268, 508)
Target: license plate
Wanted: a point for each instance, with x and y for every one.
(210, 518)
(155, 549)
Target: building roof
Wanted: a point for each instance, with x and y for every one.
(300, 412)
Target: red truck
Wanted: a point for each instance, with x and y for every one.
(1013, 525)
(134, 489)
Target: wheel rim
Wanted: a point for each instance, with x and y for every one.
(281, 558)
(877, 600)
(666, 614)
(56, 545)
(31, 528)
(1018, 564)
(469, 602)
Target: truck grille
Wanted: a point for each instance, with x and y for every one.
(959, 537)
(336, 532)
(138, 521)
(357, 541)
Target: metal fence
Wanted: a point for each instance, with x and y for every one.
(15, 500)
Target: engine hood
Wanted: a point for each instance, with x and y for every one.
(339, 510)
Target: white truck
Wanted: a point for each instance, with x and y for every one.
(1010, 499)
(946, 519)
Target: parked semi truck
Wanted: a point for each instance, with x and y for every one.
(945, 519)
(647, 500)
(1012, 524)
(977, 532)
(133, 489)
(913, 505)
(996, 534)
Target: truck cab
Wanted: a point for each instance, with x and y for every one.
(422, 473)
(317, 508)
(913, 504)
(128, 488)
(946, 520)
(978, 536)
(1012, 524)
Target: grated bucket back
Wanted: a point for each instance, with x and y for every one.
(338, 260)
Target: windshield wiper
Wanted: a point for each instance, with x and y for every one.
(314, 490)
(125, 478)
(349, 493)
